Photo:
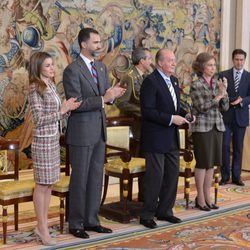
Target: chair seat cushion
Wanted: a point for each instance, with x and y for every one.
(16, 189)
(136, 165)
(184, 164)
(62, 186)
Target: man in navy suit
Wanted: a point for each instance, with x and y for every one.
(236, 119)
(161, 116)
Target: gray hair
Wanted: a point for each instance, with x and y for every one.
(138, 54)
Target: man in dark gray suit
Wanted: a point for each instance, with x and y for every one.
(87, 79)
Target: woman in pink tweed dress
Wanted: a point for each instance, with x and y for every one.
(47, 111)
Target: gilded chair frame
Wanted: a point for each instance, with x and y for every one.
(18, 191)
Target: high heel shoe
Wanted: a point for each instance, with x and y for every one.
(212, 206)
(204, 208)
(39, 237)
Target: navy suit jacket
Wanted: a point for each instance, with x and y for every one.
(157, 108)
(238, 113)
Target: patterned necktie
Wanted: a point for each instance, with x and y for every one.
(237, 81)
(94, 73)
(172, 92)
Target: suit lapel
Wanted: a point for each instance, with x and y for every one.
(231, 88)
(87, 75)
(242, 80)
(165, 88)
(100, 72)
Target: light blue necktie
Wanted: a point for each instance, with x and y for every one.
(172, 92)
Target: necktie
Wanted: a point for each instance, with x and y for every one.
(172, 92)
(94, 73)
(236, 81)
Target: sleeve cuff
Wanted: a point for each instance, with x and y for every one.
(102, 102)
(170, 123)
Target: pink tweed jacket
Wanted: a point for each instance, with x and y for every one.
(45, 112)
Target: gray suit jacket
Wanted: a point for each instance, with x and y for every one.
(87, 123)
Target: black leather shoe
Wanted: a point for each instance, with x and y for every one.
(99, 229)
(204, 208)
(239, 183)
(212, 206)
(150, 223)
(79, 233)
(171, 219)
(222, 182)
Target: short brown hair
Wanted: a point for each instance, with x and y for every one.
(239, 52)
(84, 35)
(200, 61)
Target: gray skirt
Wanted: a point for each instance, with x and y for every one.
(46, 159)
(208, 148)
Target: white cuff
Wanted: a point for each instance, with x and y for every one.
(103, 104)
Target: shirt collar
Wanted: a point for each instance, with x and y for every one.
(240, 71)
(164, 76)
(139, 71)
(85, 59)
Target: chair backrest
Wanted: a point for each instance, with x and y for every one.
(183, 132)
(185, 144)
(10, 153)
(65, 167)
(120, 134)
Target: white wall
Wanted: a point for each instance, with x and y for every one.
(235, 30)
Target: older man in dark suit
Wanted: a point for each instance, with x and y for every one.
(236, 119)
(87, 79)
(161, 116)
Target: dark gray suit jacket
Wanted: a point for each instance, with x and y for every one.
(87, 123)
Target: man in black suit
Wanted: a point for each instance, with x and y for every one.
(161, 116)
(236, 119)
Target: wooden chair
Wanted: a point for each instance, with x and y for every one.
(61, 188)
(187, 164)
(12, 190)
(121, 163)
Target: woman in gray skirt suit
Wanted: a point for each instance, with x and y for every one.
(47, 111)
(209, 97)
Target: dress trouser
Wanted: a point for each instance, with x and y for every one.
(85, 184)
(237, 134)
(160, 184)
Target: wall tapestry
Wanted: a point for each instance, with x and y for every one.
(187, 27)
